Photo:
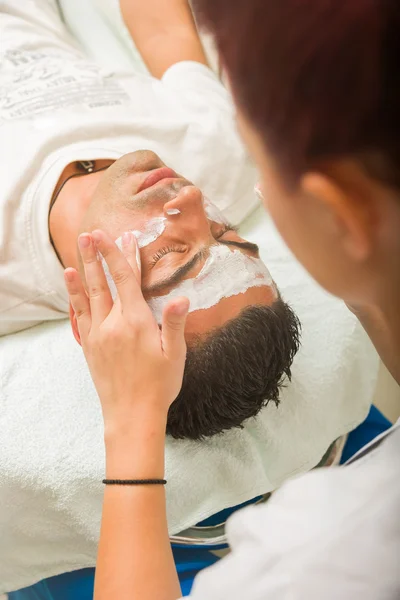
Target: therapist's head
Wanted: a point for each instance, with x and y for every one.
(241, 336)
(317, 85)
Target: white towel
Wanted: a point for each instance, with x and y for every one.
(51, 441)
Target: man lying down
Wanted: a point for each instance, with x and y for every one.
(64, 175)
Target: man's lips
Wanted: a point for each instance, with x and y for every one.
(156, 176)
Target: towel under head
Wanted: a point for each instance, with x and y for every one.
(51, 438)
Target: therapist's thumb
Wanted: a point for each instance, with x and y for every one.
(173, 328)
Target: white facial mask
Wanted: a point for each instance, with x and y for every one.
(225, 273)
(213, 213)
(152, 230)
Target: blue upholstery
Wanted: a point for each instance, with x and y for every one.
(373, 425)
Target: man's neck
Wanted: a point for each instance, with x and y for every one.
(69, 208)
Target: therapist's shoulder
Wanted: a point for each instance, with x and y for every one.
(333, 533)
(326, 497)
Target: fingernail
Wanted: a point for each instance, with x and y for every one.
(127, 238)
(173, 211)
(69, 275)
(181, 309)
(96, 236)
(84, 240)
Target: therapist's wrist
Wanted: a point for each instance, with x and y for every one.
(131, 427)
(135, 446)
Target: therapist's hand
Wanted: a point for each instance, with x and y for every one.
(136, 367)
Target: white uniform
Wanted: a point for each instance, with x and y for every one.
(333, 534)
(56, 107)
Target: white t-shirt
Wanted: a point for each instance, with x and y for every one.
(333, 534)
(57, 107)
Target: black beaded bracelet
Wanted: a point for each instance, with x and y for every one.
(134, 481)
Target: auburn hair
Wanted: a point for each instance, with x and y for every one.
(318, 79)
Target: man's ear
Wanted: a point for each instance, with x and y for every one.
(349, 213)
(74, 325)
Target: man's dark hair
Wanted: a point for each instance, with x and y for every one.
(236, 371)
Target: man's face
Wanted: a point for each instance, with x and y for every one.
(178, 231)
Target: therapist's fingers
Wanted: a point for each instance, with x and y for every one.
(130, 250)
(79, 301)
(173, 329)
(97, 287)
(128, 286)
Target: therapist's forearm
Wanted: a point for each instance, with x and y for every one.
(135, 558)
(164, 32)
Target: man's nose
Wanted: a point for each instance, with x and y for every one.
(191, 214)
(189, 201)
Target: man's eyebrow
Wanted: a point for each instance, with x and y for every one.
(185, 269)
(244, 245)
(177, 276)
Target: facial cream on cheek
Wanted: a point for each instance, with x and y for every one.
(153, 229)
(226, 273)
